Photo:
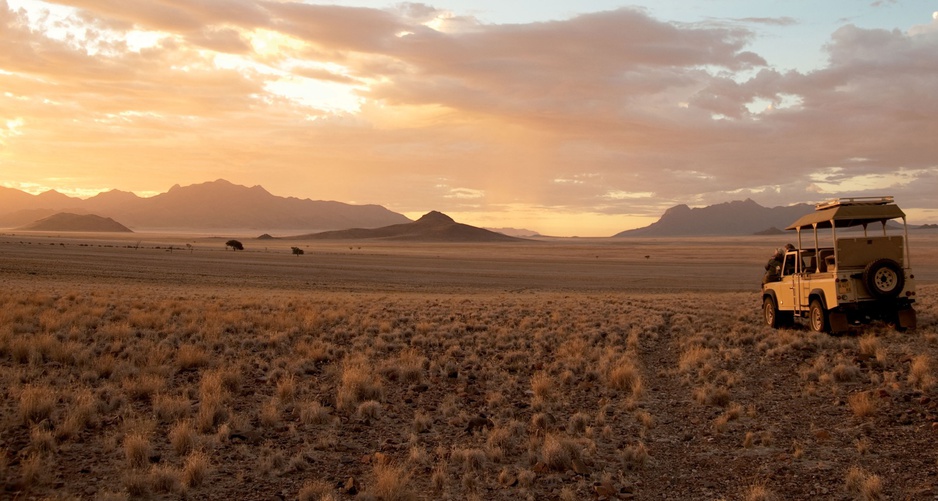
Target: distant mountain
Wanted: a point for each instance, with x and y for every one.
(213, 205)
(65, 221)
(431, 227)
(731, 218)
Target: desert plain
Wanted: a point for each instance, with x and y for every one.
(159, 366)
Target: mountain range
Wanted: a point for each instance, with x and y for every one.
(215, 205)
(744, 217)
(221, 205)
(431, 227)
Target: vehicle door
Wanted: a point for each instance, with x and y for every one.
(791, 277)
(806, 274)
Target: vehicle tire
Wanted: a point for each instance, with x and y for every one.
(884, 278)
(786, 318)
(817, 317)
(770, 312)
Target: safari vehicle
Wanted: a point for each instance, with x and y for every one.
(854, 279)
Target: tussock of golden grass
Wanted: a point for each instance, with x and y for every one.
(470, 459)
(542, 387)
(634, 457)
(33, 470)
(137, 449)
(920, 372)
(863, 445)
(578, 423)
(391, 483)
(762, 438)
(797, 449)
(862, 404)
(863, 485)
(41, 440)
(182, 437)
(314, 490)
(314, 413)
(526, 478)
(624, 376)
(165, 479)
(559, 452)
(36, 403)
(195, 469)
(144, 386)
(439, 477)
(710, 394)
(170, 408)
(269, 414)
(422, 422)
(79, 415)
(693, 358)
(845, 372)
(137, 483)
(758, 492)
(286, 389)
(872, 349)
(358, 384)
(189, 356)
(408, 367)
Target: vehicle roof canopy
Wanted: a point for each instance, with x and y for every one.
(842, 213)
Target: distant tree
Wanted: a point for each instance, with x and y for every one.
(297, 251)
(234, 244)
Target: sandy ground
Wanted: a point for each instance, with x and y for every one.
(603, 369)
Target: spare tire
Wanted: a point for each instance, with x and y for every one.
(884, 278)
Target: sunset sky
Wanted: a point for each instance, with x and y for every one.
(569, 118)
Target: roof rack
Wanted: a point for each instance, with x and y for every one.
(839, 202)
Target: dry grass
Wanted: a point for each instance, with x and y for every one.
(195, 469)
(391, 483)
(36, 403)
(862, 404)
(203, 394)
(758, 492)
(358, 384)
(863, 486)
(920, 372)
(137, 449)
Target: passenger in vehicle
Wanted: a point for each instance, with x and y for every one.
(773, 268)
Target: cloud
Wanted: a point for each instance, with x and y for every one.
(657, 113)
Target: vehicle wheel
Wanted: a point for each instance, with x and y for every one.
(884, 278)
(770, 312)
(817, 317)
(786, 318)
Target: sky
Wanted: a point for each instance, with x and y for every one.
(568, 118)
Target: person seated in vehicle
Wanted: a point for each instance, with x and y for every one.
(773, 268)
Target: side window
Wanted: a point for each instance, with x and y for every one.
(788, 268)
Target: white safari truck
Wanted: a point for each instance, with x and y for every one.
(841, 276)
